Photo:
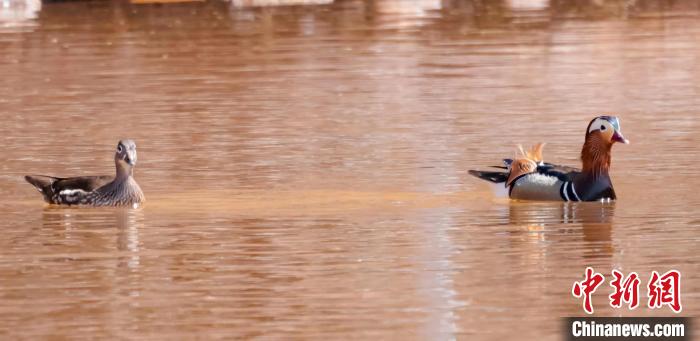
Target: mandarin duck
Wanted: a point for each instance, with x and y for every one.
(530, 178)
(120, 190)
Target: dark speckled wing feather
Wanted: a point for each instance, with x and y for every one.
(563, 173)
(497, 177)
(85, 183)
(49, 186)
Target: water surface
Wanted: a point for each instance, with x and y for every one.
(306, 166)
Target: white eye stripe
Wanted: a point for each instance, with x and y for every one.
(595, 125)
(600, 124)
(119, 148)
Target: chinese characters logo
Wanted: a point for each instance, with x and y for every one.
(662, 289)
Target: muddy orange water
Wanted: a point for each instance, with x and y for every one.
(306, 166)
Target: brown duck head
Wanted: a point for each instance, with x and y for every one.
(601, 134)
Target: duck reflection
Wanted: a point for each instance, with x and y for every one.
(129, 222)
(93, 230)
(15, 13)
(594, 221)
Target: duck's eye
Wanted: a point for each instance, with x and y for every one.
(602, 128)
(119, 148)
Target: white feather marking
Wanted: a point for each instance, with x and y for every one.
(541, 179)
(574, 191)
(71, 192)
(566, 195)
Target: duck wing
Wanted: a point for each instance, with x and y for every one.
(50, 187)
(531, 161)
(85, 183)
(563, 173)
(493, 176)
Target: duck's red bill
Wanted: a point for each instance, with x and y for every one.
(617, 137)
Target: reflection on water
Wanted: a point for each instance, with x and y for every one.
(253, 3)
(306, 165)
(528, 5)
(68, 224)
(593, 220)
(18, 13)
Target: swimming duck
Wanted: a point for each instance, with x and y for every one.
(530, 178)
(120, 190)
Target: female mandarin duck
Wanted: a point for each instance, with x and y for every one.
(120, 190)
(529, 178)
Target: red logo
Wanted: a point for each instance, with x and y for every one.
(665, 290)
(662, 290)
(587, 287)
(625, 291)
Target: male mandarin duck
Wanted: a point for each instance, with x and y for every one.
(529, 178)
(120, 190)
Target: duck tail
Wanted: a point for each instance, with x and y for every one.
(496, 177)
(42, 183)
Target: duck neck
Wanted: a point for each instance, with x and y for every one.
(123, 172)
(124, 191)
(595, 156)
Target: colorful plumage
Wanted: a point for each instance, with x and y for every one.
(528, 177)
(120, 190)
